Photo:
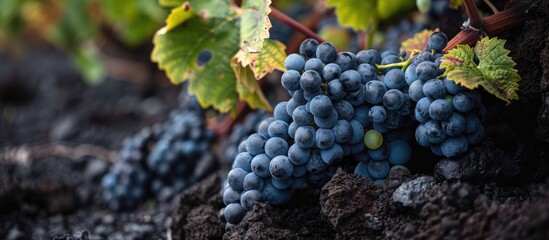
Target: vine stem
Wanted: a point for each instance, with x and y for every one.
(294, 24)
(472, 11)
(493, 25)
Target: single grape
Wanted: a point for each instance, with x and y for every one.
(452, 87)
(393, 99)
(292, 129)
(324, 138)
(410, 74)
(350, 80)
(416, 90)
(421, 111)
(321, 106)
(331, 71)
(434, 89)
(454, 146)
(280, 113)
(236, 178)
(298, 97)
(255, 144)
(260, 165)
(234, 213)
(400, 152)
(437, 41)
(379, 169)
(243, 160)
(277, 128)
(440, 110)
(290, 80)
(373, 91)
(394, 79)
(421, 136)
(294, 61)
(346, 60)
(326, 52)
(367, 56)
(310, 81)
(250, 198)
(301, 116)
(308, 48)
(305, 136)
(373, 139)
(298, 155)
(280, 167)
(434, 132)
(367, 72)
(463, 102)
(252, 182)
(276, 146)
(357, 132)
(230, 196)
(335, 90)
(314, 64)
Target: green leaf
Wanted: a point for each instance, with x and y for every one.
(417, 42)
(170, 3)
(455, 4)
(254, 24)
(247, 86)
(357, 14)
(177, 51)
(495, 71)
(390, 9)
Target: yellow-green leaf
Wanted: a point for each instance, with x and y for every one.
(357, 14)
(178, 15)
(247, 87)
(455, 4)
(254, 24)
(417, 42)
(390, 9)
(271, 57)
(177, 52)
(170, 3)
(495, 70)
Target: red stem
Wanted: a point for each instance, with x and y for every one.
(493, 25)
(280, 16)
(474, 19)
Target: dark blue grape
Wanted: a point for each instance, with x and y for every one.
(282, 184)
(243, 160)
(314, 64)
(416, 90)
(276, 146)
(280, 113)
(367, 72)
(315, 163)
(434, 132)
(230, 196)
(350, 80)
(331, 71)
(371, 57)
(234, 213)
(437, 41)
(440, 110)
(342, 131)
(250, 198)
(255, 143)
(452, 87)
(377, 114)
(280, 167)
(326, 52)
(260, 165)
(327, 122)
(463, 102)
(393, 99)
(393, 120)
(236, 178)
(344, 110)
(308, 47)
(421, 136)
(361, 169)
(332, 155)
(379, 169)
(434, 89)
(305, 136)
(298, 155)
(379, 154)
(410, 74)
(400, 152)
(454, 146)
(394, 79)
(335, 90)
(277, 128)
(321, 106)
(290, 80)
(294, 62)
(426, 70)
(373, 91)
(361, 114)
(301, 116)
(310, 81)
(455, 125)
(346, 60)
(252, 182)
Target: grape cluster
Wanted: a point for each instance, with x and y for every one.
(450, 116)
(162, 160)
(368, 105)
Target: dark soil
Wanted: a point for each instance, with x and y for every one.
(59, 136)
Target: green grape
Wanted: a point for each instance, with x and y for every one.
(373, 139)
(423, 5)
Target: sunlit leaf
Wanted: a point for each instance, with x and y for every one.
(390, 9)
(494, 72)
(417, 42)
(178, 15)
(357, 14)
(254, 24)
(247, 87)
(89, 63)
